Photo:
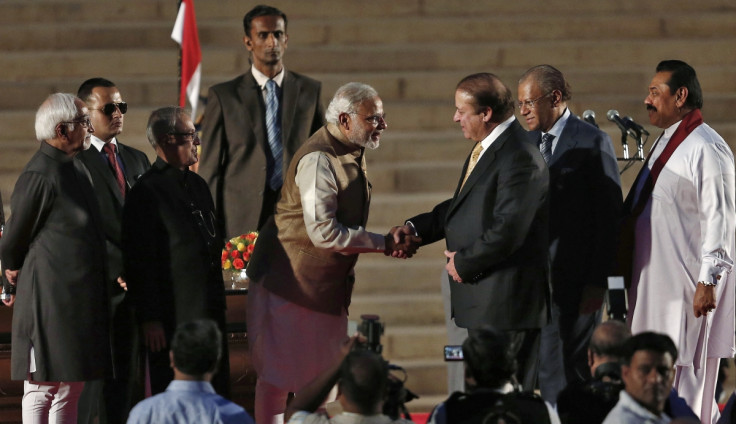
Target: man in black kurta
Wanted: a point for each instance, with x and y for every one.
(172, 246)
(53, 250)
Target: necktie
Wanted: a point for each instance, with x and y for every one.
(273, 127)
(473, 161)
(109, 149)
(545, 146)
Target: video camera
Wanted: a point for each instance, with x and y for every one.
(397, 395)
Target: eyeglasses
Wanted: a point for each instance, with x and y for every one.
(83, 121)
(109, 108)
(373, 119)
(530, 104)
(186, 135)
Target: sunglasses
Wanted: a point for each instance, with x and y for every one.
(109, 108)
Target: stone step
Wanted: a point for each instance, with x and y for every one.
(411, 115)
(427, 378)
(152, 10)
(151, 91)
(372, 58)
(419, 274)
(414, 342)
(401, 309)
(214, 32)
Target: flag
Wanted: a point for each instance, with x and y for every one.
(185, 33)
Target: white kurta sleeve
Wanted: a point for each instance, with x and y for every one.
(318, 190)
(713, 169)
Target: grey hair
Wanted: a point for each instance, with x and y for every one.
(346, 100)
(58, 107)
(163, 121)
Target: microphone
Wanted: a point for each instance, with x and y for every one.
(589, 117)
(629, 122)
(613, 116)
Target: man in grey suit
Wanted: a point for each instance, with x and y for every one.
(114, 168)
(495, 225)
(585, 206)
(254, 124)
(53, 250)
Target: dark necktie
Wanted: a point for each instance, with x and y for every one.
(273, 127)
(109, 149)
(545, 146)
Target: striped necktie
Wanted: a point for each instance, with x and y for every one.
(273, 127)
(545, 146)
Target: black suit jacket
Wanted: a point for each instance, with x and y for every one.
(585, 208)
(235, 144)
(498, 223)
(135, 164)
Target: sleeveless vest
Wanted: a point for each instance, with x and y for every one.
(288, 264)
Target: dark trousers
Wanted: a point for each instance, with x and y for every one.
(109, 401)
(525, 346)
(564, 350)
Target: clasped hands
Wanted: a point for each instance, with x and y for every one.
(401, 242)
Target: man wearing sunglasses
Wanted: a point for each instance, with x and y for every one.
(254, 124)
(114, 168)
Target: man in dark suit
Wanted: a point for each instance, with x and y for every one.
(495, 225)
(172, 246)
(249, 134)
(585, 205)
(53, 250)
(114, 168)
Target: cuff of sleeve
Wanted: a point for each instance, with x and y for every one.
(413, 228)
(379, 241)
(711, 274)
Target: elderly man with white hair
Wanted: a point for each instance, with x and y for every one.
(302, 266)
(53, 250)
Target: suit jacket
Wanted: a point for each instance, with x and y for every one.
(135, 163)
(54, 237)
(172, 248)
(235, 146)
(498, 224)
(585, 208)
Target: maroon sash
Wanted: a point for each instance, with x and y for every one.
(632, 211)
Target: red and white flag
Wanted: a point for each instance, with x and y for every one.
(185, 33)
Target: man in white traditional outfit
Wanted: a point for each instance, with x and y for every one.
(302, 265)
(682, 216)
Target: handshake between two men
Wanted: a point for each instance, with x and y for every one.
(402, 242)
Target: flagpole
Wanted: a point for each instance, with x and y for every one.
(178, 86)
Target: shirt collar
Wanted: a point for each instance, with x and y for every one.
(190, 386)
(261, 78)
(557, 128)
(99, 144)
(632, 405)
(490, 138)
(175, 173)
(671, 129)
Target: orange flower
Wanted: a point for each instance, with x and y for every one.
(238, 264)
(250, 248)
(234, 254)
